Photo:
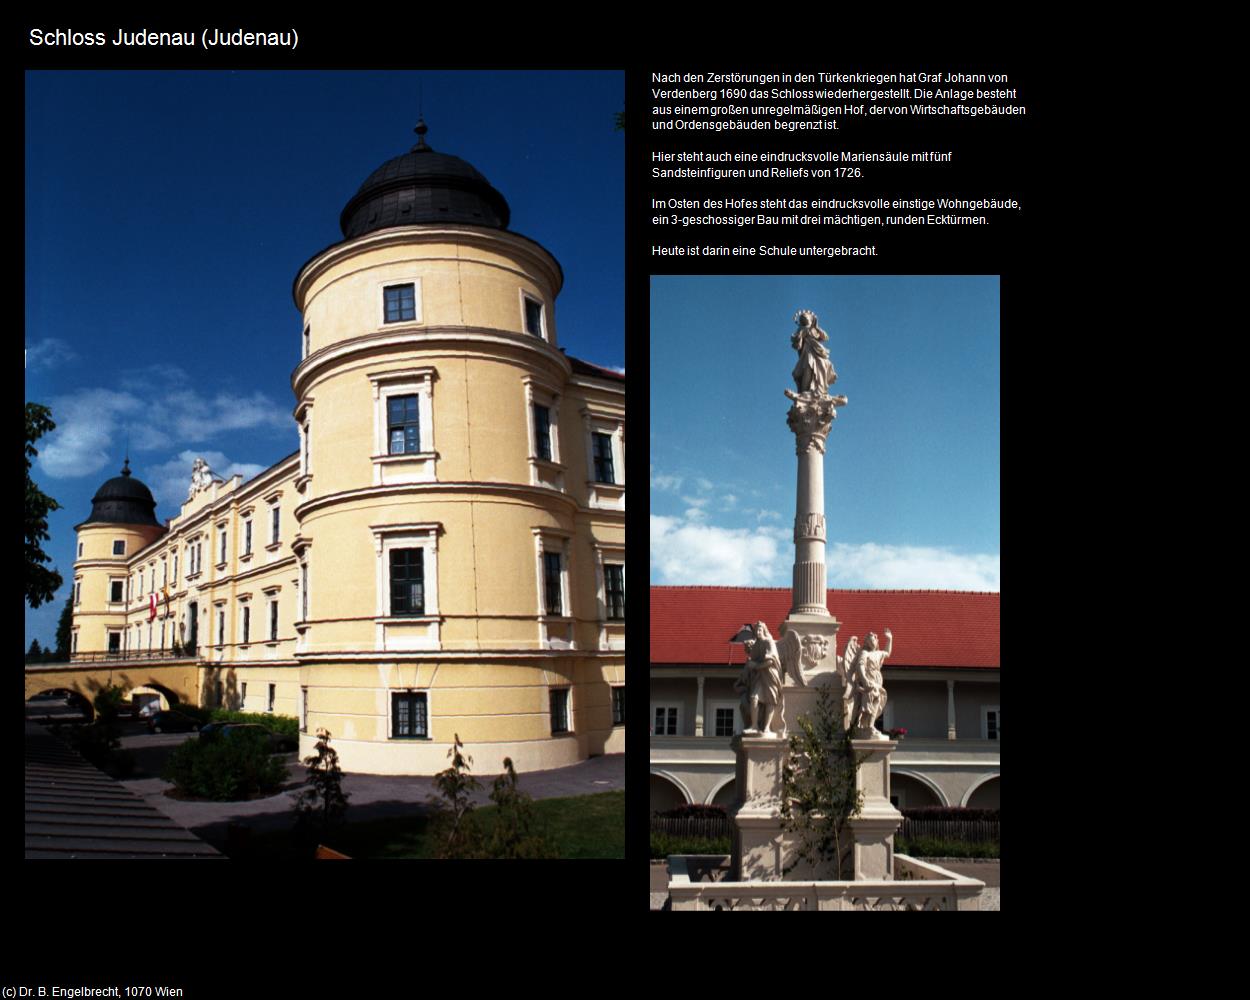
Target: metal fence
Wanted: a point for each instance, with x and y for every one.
(712, 827)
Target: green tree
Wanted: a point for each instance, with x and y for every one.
(513, 835)
(456, 785)
(819, 791)
(64, 629)
(323, 802)
(35, 653)
(41, 581)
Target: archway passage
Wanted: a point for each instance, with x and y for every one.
(725, 794)
(908, 792)
(985, 795)
(59, 705)
(665, 794)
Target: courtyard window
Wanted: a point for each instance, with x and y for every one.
(247, 624)
(666, 720)
(77, 591)
(273, 621)
(618, 706)
(407, 582)
(119, 547)
(247, 537)
(542, 432)
(273, 691)
(116, 590)
(603, 458)
(409, 715)
(560, 710)
(614, 590)
(221, 628)
(403, 425)
(307, 339)
(276, 517)
(222, 558)
(303, 709)
(551, 583)
(724, 724)
(533, 317)
(400, 302)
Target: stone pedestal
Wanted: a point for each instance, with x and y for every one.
(873, 830)
(800, 701)
(757, 838)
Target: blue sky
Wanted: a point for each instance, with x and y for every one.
(912, 462)
(167, 215)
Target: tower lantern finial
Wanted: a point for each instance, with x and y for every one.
(421, 129)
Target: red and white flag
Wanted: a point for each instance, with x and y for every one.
(151, 605)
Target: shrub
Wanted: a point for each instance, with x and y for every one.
(513, 835)
(932, 847)
(693, 811)
(457, 836)
(286, 726)
(224, 770)
(662, 845)
(323, 802)
(951, 812)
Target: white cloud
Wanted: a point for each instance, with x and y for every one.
(686, 552)
(50, 352)
(157, 407)
(910, 567)
(169, 480)
(663, 482)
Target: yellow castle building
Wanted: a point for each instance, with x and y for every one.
(445, 553)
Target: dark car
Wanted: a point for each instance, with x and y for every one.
(171, 722)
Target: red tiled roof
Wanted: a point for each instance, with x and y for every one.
(932, 628)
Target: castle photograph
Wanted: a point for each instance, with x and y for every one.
(337, 368)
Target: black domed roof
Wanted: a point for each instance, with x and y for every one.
(422, 187)
(123, 500)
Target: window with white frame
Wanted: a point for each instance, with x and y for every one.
(273, 619)
(245, 622)
(552, 551)
(221, 625)
(78, 590)
(275, 522)
(560, 711)
(410, 717)
(307, 338)
(303, 709)
(399, 303)
(403, 425)
(605, 458)
(534, 316)
(80, 550)
(407, 570)
(618, 705)
(73, 642)
(614, 590)
(119, 547)
(175, 574)
(542, 402)
(303, 589)
(665, 720)
(221, 540)
(273, 693)
(247, 536)
(117, 588)
(243, 696)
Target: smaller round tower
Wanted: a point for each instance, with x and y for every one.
(122, 521)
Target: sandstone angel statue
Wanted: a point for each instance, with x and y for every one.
(863, 687)
(768, 664)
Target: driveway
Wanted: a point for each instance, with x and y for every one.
(373, 796)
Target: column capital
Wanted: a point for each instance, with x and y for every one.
(810, 417)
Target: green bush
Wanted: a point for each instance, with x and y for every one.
(662, 845)
(224, 770)
(932, 847)
(286, 726)
(200, 715)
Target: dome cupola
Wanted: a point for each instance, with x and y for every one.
(423, 187)
(123, 500)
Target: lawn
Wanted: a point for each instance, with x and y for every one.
(582, 826)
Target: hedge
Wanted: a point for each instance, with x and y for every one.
(224, 770)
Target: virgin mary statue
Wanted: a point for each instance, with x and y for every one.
(814, 371)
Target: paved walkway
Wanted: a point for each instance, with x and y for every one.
(373, 796)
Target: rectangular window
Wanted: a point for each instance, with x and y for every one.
(73, 642)
(402, 425)
(303, 709)
(603, 458)
(152, 579)
(221, 628)
(222, 557)
(533, 317)
(175, 577)
(80, 550)
(551, 582)
(560, 710)
(139, 584)
(725, 721)
(303, 592)
(273, 690)
(409, 715)
(401, 303)
(277, 524)
(116, 590)
(542, 432)
(407, 582)
(666, 720)
(164, 572)
(618, 706)
(247, 623)
(247, 537)
(991, 724)
(77, 591)
(119, 547)
(614, 590)
(307, 339)
(273, 621)
(162, 633)
(115, 642)
(243, 696)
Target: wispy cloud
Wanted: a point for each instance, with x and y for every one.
(690, 550)
(158, 407)
(663, 482)
(51, 352)
(910, 567)
(686, 551)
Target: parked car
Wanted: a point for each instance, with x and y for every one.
(171, 722)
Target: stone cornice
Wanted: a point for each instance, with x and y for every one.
(400, 489)
(421, 337)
